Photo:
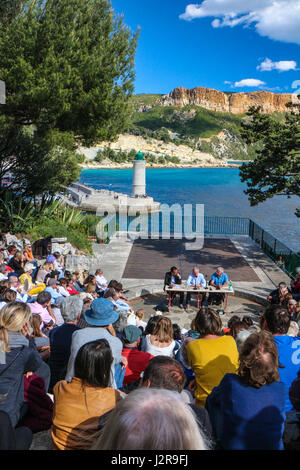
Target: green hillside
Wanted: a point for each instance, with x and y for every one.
(190, 121)
(185, 126)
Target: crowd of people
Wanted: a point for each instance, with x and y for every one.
(77, 359)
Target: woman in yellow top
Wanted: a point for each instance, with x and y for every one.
(79, 404)
(26, 281)
(212, 356)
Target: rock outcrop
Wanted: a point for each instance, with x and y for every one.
(236, 103)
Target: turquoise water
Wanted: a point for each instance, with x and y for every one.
(219, 189)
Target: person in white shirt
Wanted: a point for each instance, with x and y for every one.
(62, 287)
(15, 285)
(100, 280)
(196, 279)
(3, 272)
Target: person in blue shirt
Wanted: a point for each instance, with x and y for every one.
(53, 290)
(218, 279)
(196, 279)
(277, 319)
(247, 409)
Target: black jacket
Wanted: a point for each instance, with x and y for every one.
(19, 360)
(168, 279)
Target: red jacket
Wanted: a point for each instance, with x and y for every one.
(137, 363)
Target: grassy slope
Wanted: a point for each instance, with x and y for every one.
(204, 124)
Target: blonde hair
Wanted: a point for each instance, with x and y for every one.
(47, 266)
(18, 255)
(152, 425)
(90, 288)
(12, 318)
(163, 330)
(140, 313)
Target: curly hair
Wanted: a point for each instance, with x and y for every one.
(259, 360)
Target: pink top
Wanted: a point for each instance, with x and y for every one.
(43, 312)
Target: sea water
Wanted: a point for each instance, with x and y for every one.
(219, 189)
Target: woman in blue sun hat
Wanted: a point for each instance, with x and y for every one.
(100, 318)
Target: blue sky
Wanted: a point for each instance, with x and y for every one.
(229, 45)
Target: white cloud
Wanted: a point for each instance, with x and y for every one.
(249, 82)
(282, 66)
(276, 19)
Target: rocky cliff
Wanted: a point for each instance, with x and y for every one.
(236, 103)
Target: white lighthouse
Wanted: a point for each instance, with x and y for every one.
(139, 176)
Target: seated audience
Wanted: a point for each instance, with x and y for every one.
(45, 269)
(160, 342)
(295, 287)
(80, 403)
(277, 319)
(140, 314)
(18, 356)
(77, 284)
(17, 263)
(100, 317)
(3, 272)
(172, 279)
(165, 372)
(30, 258)
(241, 338)
(41, 307)
(137, 360)
(236, 327)
(52, 288)
(100, 280)
(70, 287)
(13, 283)
(27, 282)
(62, 287)
(61, 338)
(212, 356)
(40, 339)
(247, 409)
(7, 296)
(11, 250)
(277, 295)
(145, 420)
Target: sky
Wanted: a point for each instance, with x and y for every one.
(229, 45)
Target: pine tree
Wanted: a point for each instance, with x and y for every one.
(276, 169)
(68, 66)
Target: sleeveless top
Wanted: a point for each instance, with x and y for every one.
(156, 350)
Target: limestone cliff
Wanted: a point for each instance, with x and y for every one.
(236, 103)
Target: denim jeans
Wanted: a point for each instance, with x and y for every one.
(119, 375)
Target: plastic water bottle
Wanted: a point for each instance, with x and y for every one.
(230, 285)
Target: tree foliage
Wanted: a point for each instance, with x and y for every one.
(276, 168)
(68, 66)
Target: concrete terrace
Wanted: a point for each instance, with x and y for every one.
(261, 275)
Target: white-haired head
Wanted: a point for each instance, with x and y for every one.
(71, 307)
(145, 420)
(241, 338)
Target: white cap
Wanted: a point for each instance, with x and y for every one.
(28, 267)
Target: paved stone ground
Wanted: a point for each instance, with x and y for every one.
(236, 306)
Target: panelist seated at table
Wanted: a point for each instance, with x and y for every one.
(197, 280)
(219, 279)
(173, 279)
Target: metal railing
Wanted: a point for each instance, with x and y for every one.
(284, 257)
